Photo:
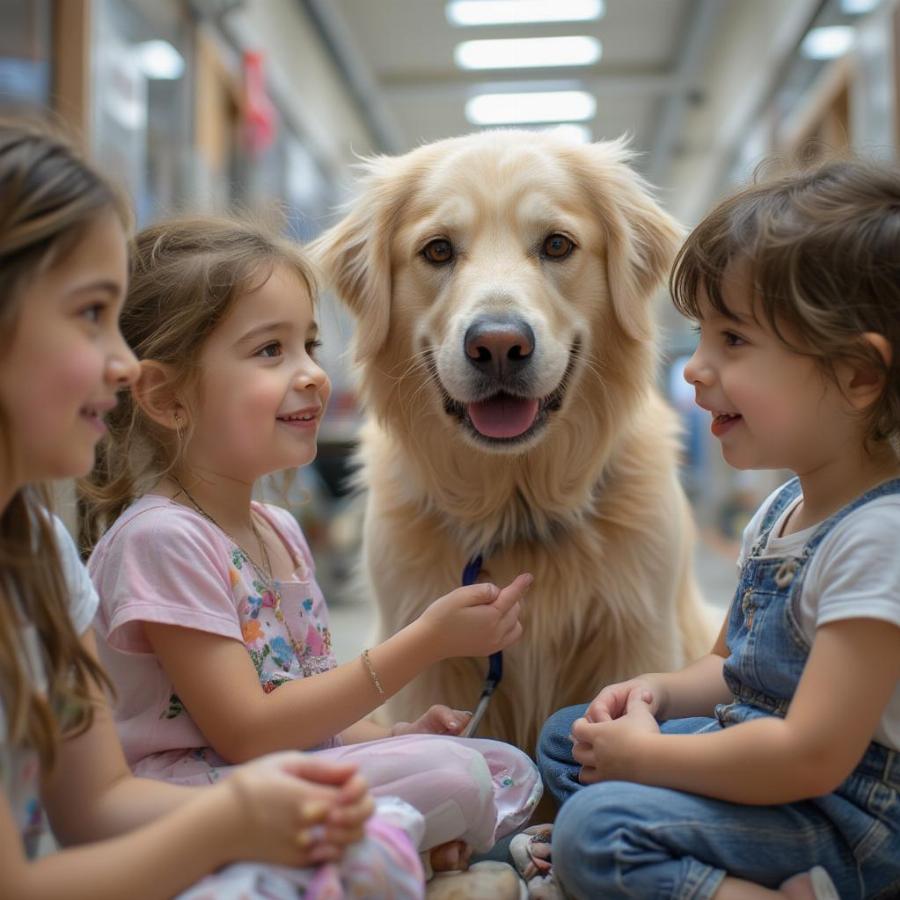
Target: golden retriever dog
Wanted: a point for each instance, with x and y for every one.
(502, 286)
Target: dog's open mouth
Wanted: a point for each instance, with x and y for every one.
(504, 418)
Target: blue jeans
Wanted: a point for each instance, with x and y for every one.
(619, 839)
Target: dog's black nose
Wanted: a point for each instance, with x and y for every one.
(499, 345)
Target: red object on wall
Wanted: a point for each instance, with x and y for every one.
(259, 113)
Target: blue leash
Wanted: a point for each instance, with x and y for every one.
(495, 663)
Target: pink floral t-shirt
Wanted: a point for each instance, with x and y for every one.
(163, 562)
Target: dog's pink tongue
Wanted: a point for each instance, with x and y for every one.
(503, 416)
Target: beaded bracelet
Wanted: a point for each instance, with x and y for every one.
(372, 673)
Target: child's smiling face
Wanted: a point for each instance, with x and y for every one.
(771, 407)
(67, 358)
(261, 394)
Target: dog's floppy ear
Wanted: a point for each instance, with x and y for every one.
(355, 254)
(641, 237)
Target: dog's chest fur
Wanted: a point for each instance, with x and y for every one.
(604, 602)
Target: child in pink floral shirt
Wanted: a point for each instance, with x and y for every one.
(211, 621)
(159, 549)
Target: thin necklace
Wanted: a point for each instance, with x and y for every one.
(265, 574)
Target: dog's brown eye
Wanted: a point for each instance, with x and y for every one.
(438, 251)
(557, 246)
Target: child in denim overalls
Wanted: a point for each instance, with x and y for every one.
(774, 770)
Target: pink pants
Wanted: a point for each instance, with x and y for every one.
(468, 789)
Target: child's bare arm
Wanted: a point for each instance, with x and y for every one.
(254, 814)
(437, 719)
(364, 730)
(105, 799)
(851, 672)
(129, 837)
(154, 862)
(216, 680)
(86, 807)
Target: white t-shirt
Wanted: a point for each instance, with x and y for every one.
(20, 768)
(853, 573)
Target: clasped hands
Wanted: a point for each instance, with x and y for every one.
(606, 740)
(318, 807)
(297, 809)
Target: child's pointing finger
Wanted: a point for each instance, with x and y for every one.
(513, 592)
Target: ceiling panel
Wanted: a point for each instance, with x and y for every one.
(443, 117)
(404, 37)
(406, 48)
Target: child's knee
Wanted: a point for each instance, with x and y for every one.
(583, 828)
(596, 837)
(514, 769)
(464, 771)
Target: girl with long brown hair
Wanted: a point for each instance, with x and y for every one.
(63, 276)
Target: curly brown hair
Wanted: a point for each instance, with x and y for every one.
(821, 248)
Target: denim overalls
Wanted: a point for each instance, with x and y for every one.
(619, 839)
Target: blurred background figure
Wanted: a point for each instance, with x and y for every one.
(208, 105)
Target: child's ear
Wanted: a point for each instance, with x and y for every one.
(867, 381)
(153, 393)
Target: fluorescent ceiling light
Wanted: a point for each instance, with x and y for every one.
(159, 60)
(828, 42)
(537, 106)
(516, 12)
(573, 132)
(520, 53)
(858, 7)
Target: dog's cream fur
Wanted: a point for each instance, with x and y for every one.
(590, 502)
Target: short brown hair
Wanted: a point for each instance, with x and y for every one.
(822, 248)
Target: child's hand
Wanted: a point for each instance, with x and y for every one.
(612, 701)
(606, 750)
(345, 823)
(437, 720)
(295, 809)
(476, 620)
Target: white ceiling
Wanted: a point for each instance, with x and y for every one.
(685, 78)
(407, 49)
